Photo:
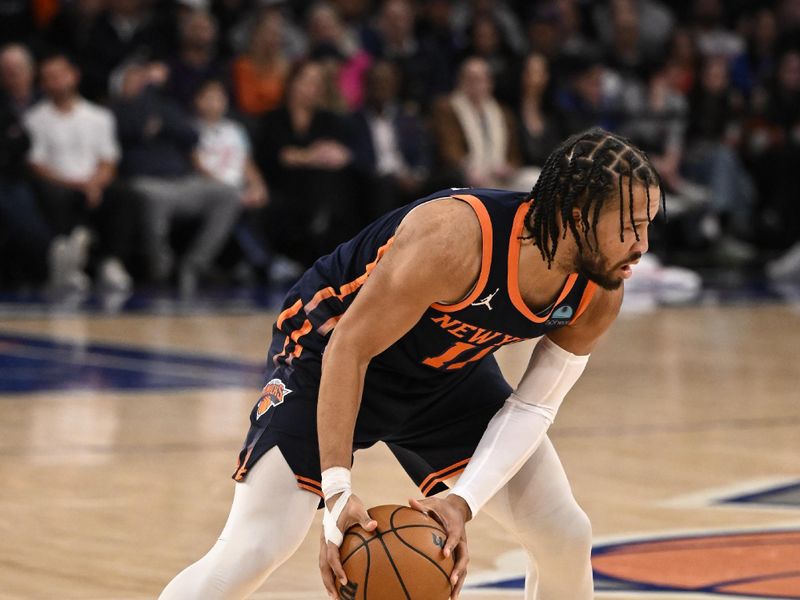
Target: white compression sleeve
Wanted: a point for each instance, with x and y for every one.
(517, 429)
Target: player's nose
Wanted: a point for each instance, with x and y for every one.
(642, 245)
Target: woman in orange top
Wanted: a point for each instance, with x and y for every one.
(259, 76)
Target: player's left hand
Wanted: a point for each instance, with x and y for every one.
(330, 564)
(452, 513)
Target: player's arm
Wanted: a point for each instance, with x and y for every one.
(435, 257)
(517, 429)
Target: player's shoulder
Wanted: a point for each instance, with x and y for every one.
(446, 222)
(445, 233)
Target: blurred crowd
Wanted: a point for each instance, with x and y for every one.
(185, 142)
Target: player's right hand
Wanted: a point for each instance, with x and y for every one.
(330, 564)
(452, 513)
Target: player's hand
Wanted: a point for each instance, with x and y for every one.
(452, 513)
(330, 564)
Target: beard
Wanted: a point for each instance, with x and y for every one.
(594, 267)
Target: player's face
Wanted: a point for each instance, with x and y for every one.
(610, 263)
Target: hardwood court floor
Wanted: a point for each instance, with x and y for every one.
(108, 492)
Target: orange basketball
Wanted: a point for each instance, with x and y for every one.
(402, 559)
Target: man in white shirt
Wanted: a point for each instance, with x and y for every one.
(73, 156)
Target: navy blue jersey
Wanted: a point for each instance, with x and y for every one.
(448, 337)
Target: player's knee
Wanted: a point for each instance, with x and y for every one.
(577, 532)
(565, 531)
(253, 559)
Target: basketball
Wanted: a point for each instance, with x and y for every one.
(402, 559)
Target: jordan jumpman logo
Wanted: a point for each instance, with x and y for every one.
(486, 301)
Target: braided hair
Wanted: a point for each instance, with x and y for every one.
(584, 172)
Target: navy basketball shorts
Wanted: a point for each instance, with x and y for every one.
(432, 427)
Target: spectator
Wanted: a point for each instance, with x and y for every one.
(626, 53)
(544, 32)
(485, 42)
(126, 30)
(158, 141)
(423, 73)
(789, 22)
(73, 156)
(540, 131)
(713, 38)
(655, 24)
(303, 152)
(712, 159)
(17, 72)
(655, 119)
(585, 100)
(391, 146)
(197, 60)
(464, 13)
(238, 25)
(682, 58)
(23, 232)
(353, 12)
(260, 75)
(71, 27)
(476, 136)
(324, 27)
(436, 33)
(16, 21)
(339, 53)
(776, 149)
(223, 152)
(753, 69)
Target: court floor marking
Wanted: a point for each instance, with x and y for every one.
(152, 360)
(511, 565)
(725, 497)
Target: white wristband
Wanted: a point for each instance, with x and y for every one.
(335, 480)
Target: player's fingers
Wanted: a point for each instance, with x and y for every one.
(330, 584)
(455, 536)
(428, 508)
(335, 564)
(327, 576)
(364, 520)
(459, 573)
(417, 505)
(458, 585)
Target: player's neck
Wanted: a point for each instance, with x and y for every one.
(538, 284)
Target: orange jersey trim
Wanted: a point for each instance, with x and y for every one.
(323, 294)
(586, 300)
(303, 486)
(289, 312)
(442, 474)
(241, 468)
(304, 483)
(350, 287)
(309, 481)
(486, 261)
(513, 270)
(425, 491)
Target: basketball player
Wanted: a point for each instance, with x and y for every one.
(390, 338)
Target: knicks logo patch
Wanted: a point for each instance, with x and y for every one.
(272, 395)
